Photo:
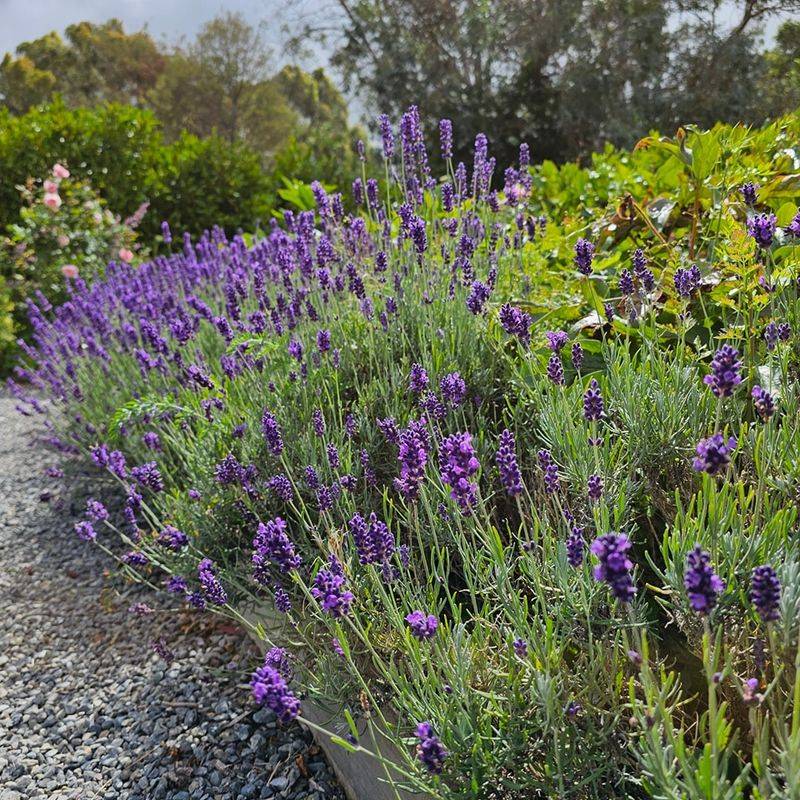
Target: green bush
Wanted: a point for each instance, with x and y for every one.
(206, 182)
(6, 321)
(118, 148)
(194, 183)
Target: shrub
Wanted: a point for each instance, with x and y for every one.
(195, 183)
(208, 182)
(523, 491)
(118, 148)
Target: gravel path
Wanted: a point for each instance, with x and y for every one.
(87, 709)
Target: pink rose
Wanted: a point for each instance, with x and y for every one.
(69, 271)
(51, 187)
(97, 217)
(126, 255)
(60, 171)
(52, 201)
(62, 240)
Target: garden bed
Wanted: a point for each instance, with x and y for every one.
(516, 469)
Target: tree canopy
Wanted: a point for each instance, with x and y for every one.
(567, 76)
(224, 82)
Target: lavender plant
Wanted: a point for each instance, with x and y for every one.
(538, 575)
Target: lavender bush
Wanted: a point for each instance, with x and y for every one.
(544, 560)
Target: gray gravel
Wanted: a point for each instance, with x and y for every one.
(87, 709)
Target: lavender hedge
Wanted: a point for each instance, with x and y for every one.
(523, 490)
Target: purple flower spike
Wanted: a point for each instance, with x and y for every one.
(555, 370)
(422, 626)
(176, 584)
(551, 484)
(577, 356)
(714, 454)
(765, 593)
(318, 422)
(595, 487)
(272, 545)
(575, 546)
(373, 539)
(149, 476)
(749, 193)
(762, 228)
(615, 567)
(446, 138)
(454, 390)
(687, 281)
(642, 273)
(506, 460)
(458, 464)
(593, 408)
(329, 590)
(413, 456)
(793, 228)
(430, 751)
(269, 688)
(85, 531)
(725, 371)
(584, 255)
(173, 539)
(212, 588)
(283, 602)
(700, 581)
(763, 402)
(418, 379)
(272, 432)
(477, 297)
(556, 340)
(516, 322)
(95, 510)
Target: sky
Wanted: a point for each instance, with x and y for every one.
(21, 20)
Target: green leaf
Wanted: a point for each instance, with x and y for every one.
(705, 154)
(786, 213)
(344, 743)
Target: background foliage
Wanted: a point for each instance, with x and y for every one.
(566, 76)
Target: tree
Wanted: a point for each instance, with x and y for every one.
(221, 82)
(321, 146)
(781, 82)
(564, 75)
(96, 63)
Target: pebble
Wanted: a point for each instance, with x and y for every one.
(87, 710)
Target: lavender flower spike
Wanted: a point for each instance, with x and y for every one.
(212, 588)
(725, 371)
(430, 750)
(269, 688)
(584, 255)
(713, 454)
(422, 626)
(458, 464)
(329, 590)
(765, 593)
(506, 460)
(615, 567)
(701, 583)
